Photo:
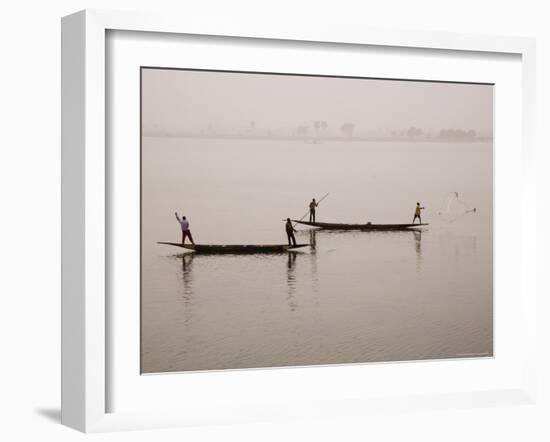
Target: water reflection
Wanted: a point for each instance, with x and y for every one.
(460, 248)
(418, 249)
(314, 272)
(186, 267)
(315, 234)
(312, 234)
(313, 240)
(313, 261)
(187, 276)
(291, 281)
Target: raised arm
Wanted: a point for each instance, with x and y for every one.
(177, 217)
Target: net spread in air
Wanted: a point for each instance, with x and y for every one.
(455, 208)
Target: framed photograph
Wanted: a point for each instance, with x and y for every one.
(262, 223)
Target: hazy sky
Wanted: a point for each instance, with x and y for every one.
(179, 101)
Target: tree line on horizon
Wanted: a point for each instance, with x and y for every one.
(319, 129)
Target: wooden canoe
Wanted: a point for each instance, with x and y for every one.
(236, 248)
(367, 227)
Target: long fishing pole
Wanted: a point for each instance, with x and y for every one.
(307, 213)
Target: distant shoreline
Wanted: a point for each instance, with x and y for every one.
(322, 139)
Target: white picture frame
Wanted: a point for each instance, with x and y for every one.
(85, 202)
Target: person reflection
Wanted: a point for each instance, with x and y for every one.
(186, 261)
(291, 280)
(418, 248)
(313, 259)
(187, 276)
(313, 240)
(291, 260)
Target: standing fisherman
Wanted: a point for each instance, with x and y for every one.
(290, 232)
(417, 213)
(312, 207)
(185, 232)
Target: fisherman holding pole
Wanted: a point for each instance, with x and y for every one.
(290, 232)
(311, 212)
(312, 207)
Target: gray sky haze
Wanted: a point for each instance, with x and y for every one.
(179, 101)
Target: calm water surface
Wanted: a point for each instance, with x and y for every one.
(355, 296)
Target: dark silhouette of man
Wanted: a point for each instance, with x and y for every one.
(290, 232)
(312, 207)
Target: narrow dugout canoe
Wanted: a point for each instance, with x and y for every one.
(338, 226)
(236, 248)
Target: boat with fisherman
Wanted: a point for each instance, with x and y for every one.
(236, 248)
(365, 227)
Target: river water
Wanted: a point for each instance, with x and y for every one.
(356, 296)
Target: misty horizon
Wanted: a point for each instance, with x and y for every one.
(257, 105)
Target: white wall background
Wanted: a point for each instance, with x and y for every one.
(30, 215)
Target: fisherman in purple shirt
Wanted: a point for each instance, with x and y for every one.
(185, 232)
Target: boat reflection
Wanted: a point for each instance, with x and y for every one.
(316, 234)
(192, 266)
